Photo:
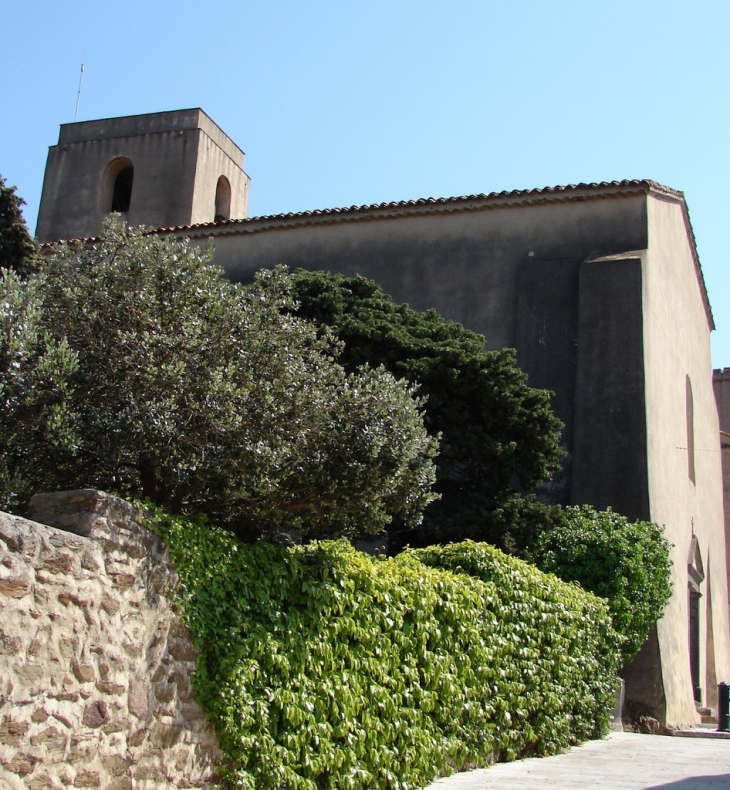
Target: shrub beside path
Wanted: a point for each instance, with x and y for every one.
(622, 761)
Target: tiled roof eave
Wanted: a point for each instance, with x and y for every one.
(398, 209)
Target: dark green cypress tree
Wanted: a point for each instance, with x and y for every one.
(499, 438)
(19, 251)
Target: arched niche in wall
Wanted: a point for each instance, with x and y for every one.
(117, 188)
(222, 200)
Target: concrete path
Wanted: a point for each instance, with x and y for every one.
(623, 761)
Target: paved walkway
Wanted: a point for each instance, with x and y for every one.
(623, 761)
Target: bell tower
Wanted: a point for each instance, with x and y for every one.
(162, 169)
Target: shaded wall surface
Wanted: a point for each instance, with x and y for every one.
(94, 664)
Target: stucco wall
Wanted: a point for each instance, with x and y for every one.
(677, 348)
(609, 449)
(465, 264)
(94, 664)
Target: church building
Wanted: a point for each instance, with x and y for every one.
(597, 286)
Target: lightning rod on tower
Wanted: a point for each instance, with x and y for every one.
(78, 95)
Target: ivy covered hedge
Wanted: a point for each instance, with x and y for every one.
(322, 667)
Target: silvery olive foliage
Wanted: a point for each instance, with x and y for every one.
(207, 396)
(35, 370)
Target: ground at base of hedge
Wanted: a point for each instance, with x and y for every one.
(622, 761)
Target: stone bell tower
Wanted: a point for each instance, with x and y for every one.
(162, 169)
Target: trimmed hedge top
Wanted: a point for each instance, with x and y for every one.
(322, 667)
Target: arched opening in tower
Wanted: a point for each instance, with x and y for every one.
(222, 200)
(122, 196)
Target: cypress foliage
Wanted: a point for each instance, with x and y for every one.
(18, 249)
(499, 436)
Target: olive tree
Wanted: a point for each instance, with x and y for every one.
(208, 396)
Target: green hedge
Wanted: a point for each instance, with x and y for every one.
(322, 667)
(626, 563)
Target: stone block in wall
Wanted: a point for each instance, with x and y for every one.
(94, 663)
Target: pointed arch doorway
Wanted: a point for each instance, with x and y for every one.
(696, 575)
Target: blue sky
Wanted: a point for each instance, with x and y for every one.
(349, 102)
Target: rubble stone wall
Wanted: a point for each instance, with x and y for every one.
(94, 664)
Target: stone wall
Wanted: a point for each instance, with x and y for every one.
(94, 664)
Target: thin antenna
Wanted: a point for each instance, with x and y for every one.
(78, 95)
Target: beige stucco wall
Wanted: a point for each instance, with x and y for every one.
(676, 345)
